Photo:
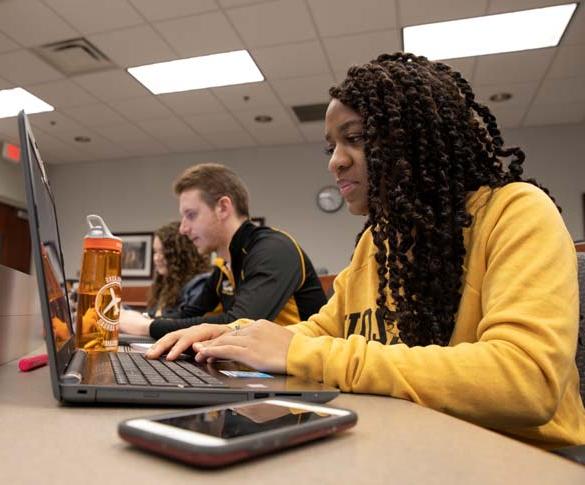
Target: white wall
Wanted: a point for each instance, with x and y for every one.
(555, 157)
(136, 195)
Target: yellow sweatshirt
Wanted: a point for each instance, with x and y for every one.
(510, 365)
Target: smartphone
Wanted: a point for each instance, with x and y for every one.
(220, 435)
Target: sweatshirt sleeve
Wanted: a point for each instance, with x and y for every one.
(517, 370)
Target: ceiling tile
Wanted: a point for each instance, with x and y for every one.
(63, 93)
(59, 126)
(561, 91)
(22, 68)
(314, 132)
(31, 23)
(156, 10)
(522, 93)
(273, 23)
(465, 65)
(414, 12)
(238, 3)
(175, 134)
(4, 84)
(501, 6)
(134, 46)
(232, 139)
(192, 102)
(246, 96)
(94, 115)
(291, 60)
(199, 35)
(54, 150)
(143, 108)
(514, 67)
(123, 133)
(279, 131)
(111, 85)
(7, 44)
(509, 116)
(133, 139)
(554, 114)
(569, 62)
(89, 16)
(304, 90)
(351, 17)
(213, 123)
(161, 128)
(359, 49)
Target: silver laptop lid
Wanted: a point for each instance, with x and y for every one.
(47, 256)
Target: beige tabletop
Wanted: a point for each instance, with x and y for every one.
(394, 442)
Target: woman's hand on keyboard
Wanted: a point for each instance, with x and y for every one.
(263, 345)
(175, 343)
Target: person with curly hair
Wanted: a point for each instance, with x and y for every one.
(181, 272)
(461, 294)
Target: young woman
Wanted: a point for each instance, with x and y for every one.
(181, 272)
(462, 290)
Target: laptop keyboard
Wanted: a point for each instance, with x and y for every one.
(134, 369)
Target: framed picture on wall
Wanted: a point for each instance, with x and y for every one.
(136, 254)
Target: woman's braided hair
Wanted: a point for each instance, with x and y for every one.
(183, 263)
(428, 145)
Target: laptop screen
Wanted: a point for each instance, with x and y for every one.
(46, 250)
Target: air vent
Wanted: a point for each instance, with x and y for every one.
(74, 56)
(310, 112)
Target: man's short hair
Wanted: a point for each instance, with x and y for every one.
(214, 181)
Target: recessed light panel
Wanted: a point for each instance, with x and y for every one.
(491, 34)
(16, 99)
(214, 70)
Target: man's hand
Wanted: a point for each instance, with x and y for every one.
(179, 341)
(262, 346)
(134, 323)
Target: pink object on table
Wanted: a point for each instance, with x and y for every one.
(29, 363)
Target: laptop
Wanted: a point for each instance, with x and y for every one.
(125, 377)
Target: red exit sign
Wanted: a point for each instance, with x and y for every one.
(11, 152)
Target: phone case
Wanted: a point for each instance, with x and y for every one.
(237, 449)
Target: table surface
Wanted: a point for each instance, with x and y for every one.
(42, 441)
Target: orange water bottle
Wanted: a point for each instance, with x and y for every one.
(100, 290)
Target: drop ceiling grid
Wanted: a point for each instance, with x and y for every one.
(331, 38)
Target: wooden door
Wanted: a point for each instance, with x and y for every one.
(14, 238)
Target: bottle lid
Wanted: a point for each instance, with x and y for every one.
(99, 235)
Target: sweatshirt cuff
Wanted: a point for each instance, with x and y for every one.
(157, 329)
(304, 358)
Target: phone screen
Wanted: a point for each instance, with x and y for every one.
(243, 420)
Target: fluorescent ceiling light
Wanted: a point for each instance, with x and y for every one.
(507, 32)
(225, 69)
(16, 99)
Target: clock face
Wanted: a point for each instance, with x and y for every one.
(329, 199)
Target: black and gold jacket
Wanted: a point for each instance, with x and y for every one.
(270, 277)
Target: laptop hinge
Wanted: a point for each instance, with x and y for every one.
(74, 372)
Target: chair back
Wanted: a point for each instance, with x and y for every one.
(580, 357)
